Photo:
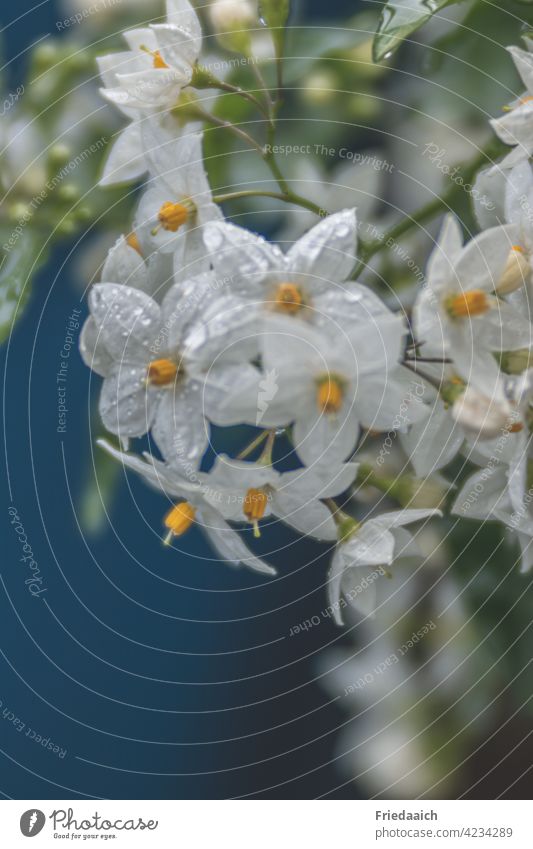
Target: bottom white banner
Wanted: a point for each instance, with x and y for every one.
(262, 824)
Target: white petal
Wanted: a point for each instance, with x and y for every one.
(433, 443)
(308, 517)
(399, 518)
(447, 251)
(229, 545)
(127, 319)
(335, 574)
(93, 350)
(483, 259)
(181, 13)
(180, 430)
(235, 251)
(321, 438)
(126, 161)
(328, 252)
(484, 495)
(359, 588)
(231, 395)
(127, 406)
(177, 46)
(124, 265)
(516, 127)
(524, 65)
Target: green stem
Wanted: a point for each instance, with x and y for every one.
(443, 203)
(227, 125)
(247, 95)
(286, 197)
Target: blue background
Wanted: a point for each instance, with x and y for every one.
(163, 675)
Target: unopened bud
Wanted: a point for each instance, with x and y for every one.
(230, 14)
(483, 417)
(516, 272)
(58, 155)
(516, 362)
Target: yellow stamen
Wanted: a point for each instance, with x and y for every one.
(526, 99)
(254, 506)
(288, 298)
(159, 62)
(133, 241)
(161, 372)
(172, 216)
(179, 520)
(516, 271)
(330, 394)
(467, 304)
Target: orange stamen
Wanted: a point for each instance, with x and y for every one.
(288, 298)
(161, 372)
(467, 304)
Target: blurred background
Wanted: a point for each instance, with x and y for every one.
(134, 671)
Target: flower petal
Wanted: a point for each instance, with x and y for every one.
(328, 252)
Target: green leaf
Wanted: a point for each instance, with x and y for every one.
(399, 19)
(18, 266)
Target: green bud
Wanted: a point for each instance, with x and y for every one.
(68, 193)
(232, 20)
(515, 362)
(319, 87)
(45, 55)
(19, 211)
(67, 227)
(58, 155)
(84, 213)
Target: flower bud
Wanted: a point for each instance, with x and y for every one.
(516, 362)
(481, 416)
(516, 271)
(231, 20)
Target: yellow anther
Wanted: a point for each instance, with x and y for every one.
(330, 394)
(254, 507)
(133, 241)
(158, 60)
(467, 304)
(288, 298)
(179, 520)
(520, 102)
(172, 216)
(516, 427)
(161, 372)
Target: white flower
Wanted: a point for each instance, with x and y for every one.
(329, 386)
(457, 316)
(480, 416)
(488, 421)
(177, 203)
(516, 126)
(310, 281)
(360, 557)
(140, 348)
(158, 64)
(191, 509)
(252, 492)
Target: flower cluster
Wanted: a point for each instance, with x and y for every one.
(199, 323)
